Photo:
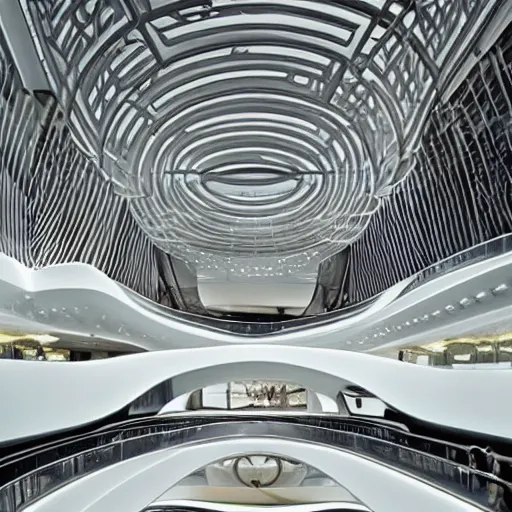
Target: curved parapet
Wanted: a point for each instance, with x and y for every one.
(132, 485)
(445, 397)
(77, 299)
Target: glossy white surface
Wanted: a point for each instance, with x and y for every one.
(92, 390)
(132, 485)
(77, 299)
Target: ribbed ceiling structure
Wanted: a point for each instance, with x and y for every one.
(247, 141)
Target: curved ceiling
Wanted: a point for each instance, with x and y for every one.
(246, 142)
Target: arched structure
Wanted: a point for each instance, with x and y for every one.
(444, 397)
(134, 484)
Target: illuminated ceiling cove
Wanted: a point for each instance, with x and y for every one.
(195, 149)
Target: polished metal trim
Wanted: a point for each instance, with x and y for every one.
(131, 486)
(227, 507)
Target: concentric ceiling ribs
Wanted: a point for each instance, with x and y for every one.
(459, 194)
(253, 138)
(231, 152)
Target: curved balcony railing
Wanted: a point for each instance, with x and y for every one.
(491, 249)
(447, 466)
(20, 463)
(476, 254)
